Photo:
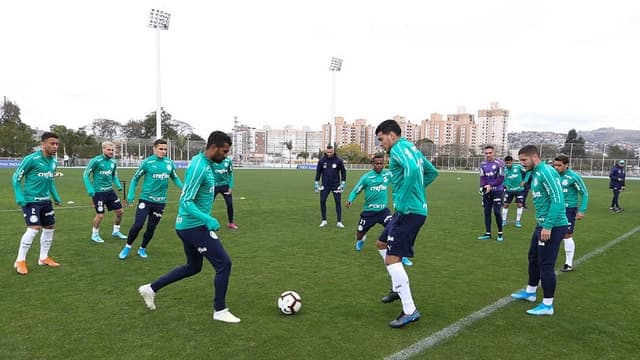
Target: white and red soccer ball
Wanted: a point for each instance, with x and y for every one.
(289, 302)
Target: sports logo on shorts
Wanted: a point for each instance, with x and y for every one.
(100, 208)
(33, 218)
(213, 235)
(142, 205)
(360, 228)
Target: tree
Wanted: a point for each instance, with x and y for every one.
(574, 145)
(289, 146)
(75, 141)
(16, 137)
(353, 153)
(303, 154)
(106, 129)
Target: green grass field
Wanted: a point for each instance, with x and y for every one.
(89, 306)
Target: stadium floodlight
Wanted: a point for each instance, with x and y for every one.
(334, 66)
(158, 20)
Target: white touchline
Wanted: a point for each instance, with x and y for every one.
(454, 329)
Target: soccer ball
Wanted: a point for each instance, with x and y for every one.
(289, 302)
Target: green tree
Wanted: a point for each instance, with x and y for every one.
(353, 153)
(76, 142)
(574, 145)
(106, 129)
(303, 154)
(289, 145)
(16, 137)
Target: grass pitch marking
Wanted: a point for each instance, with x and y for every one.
(454, 329)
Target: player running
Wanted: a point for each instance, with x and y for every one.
(157, 169)
(513, 189)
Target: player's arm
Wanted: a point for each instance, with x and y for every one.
(582, 189)
(429, 172)
(54, 193)
(85, 177)
(174, 176)
(230, 178)
(131, 194)
(357, 189)
(17, 178)
(115, 178)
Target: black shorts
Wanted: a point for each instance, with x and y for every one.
(369, 219)
(39, 213)
(106, 198)
(401, 232)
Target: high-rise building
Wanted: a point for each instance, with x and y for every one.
(492, 123)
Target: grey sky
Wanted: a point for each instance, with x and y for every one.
(556, 65)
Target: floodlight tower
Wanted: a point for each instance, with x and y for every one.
(334, 67)
(158, 20)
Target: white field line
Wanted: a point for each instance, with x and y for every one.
(454, 329)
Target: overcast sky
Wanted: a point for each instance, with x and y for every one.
(555, 65)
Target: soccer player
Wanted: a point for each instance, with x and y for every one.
(411, 174)
(334, 180)
(196, 227)
(552, 225)
(375, 184)
(37, 170)
(616, 183)
(492, 189)
(572, 186)
(104, 172)
(223, 173)
(157, 169)
(513, 189)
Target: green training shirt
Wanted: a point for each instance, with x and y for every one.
(223, 172)
(376, 190)
(572, 186)
(157, 172)
(38, 172)
(197, 194)
(411, 173)
(513, 178)
(548, 197)
(104, 171)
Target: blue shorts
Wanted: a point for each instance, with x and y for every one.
(39, 213)
(571, 216)
(106, 198)
(518, 195)
(369, 219)
(401, 232)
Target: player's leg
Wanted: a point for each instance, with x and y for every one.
(497, 212)
(402, 235)
(487, 205)
(32, 219)
(155, 215)
(228, 200)
(221, 262)
(47, 214)
(519, 208)
(569, 244)
(529, 292)
(142, 211)
(99, 205)
(547, 255)
(337, 197)
(114, 204)
(324, 193)
(192, 267)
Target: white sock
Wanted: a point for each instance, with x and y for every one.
(547, 301)
(504, 214)
(46, 238)
(400, 281)
(531, 289)
(116, 228)
(569, 249)
(383, 253)
(25, 243)
(519, 212)
(95, 231)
